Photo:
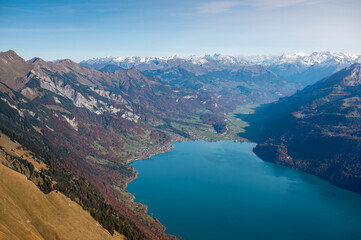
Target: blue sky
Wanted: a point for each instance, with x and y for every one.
(84, 29)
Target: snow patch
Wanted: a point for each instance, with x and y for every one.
(190, 97)
(322, 58)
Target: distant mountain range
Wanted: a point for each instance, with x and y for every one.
(231, 79)
(322, 58)
(300, 68)
(317, 130)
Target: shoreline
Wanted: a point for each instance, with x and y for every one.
(168, 147)
(194, 147)
(281, 162)
(159, 150)
(241, 141)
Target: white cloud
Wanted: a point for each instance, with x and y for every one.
(218, 7)
(276, 3)
(226, 6)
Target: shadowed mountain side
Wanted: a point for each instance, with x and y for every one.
(317, 130)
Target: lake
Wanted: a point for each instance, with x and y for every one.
(222, 190)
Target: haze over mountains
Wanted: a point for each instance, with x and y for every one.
(300, 68)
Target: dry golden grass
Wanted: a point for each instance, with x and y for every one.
(15, 149)
(27, 213)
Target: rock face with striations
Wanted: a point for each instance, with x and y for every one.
(317, 130)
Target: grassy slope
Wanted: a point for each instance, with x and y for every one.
(27, 213)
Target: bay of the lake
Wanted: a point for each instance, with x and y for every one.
(222, 190)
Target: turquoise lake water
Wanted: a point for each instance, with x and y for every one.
(222, 190)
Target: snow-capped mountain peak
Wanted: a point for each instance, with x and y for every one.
(300, 58)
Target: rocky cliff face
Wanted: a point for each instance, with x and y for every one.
(317, 130)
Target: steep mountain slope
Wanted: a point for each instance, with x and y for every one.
(13, 69)
(27, 213)
(42, 168)
(128, 90)
(316, 130)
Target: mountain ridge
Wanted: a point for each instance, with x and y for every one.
(326, 57)
(316, 130)
(300, 68)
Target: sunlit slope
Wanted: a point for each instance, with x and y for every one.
(27, 213)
